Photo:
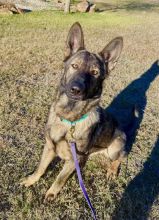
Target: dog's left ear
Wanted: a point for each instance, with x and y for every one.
(75, 40)
(111, 52)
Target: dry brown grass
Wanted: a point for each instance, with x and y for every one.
(31, 52)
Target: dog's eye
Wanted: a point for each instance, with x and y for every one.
(94, 72)
(75, 66)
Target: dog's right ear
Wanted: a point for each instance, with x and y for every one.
(75, 40)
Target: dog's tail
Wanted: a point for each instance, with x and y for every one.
(134, 117)
(131, 128)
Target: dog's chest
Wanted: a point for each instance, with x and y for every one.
(61, 131)
(81, 132)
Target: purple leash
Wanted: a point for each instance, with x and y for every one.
(73, 149)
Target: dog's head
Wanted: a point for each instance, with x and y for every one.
(84, 72)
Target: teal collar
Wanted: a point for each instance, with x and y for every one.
(73, 123)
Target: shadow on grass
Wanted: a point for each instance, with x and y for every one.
(142, 191)
(134, 95)
(26, 10)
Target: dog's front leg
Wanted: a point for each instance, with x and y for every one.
(47, 156)
(116, 152)
(60, 181)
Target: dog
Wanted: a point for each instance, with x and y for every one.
(77, 102)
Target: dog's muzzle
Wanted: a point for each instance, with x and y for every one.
(76, 90)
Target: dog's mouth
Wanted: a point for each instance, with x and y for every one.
(74, 97)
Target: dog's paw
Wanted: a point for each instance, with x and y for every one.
(28, 181)
(113, 170)
(111, 174)
(50, 196)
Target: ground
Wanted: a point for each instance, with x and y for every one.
(102, 5)
(31, 53)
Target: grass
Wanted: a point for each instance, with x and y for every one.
(127, 5)
(43, 19)
(32, 47)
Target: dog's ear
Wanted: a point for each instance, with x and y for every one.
(111, 52)
(75, 40)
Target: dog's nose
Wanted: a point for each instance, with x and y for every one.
(75, 90)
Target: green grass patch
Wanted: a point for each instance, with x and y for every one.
(49, 19)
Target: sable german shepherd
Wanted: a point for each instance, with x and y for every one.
(78, 101)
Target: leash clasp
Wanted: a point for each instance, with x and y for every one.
(70, 133)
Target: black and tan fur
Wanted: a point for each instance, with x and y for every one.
(79, 93)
